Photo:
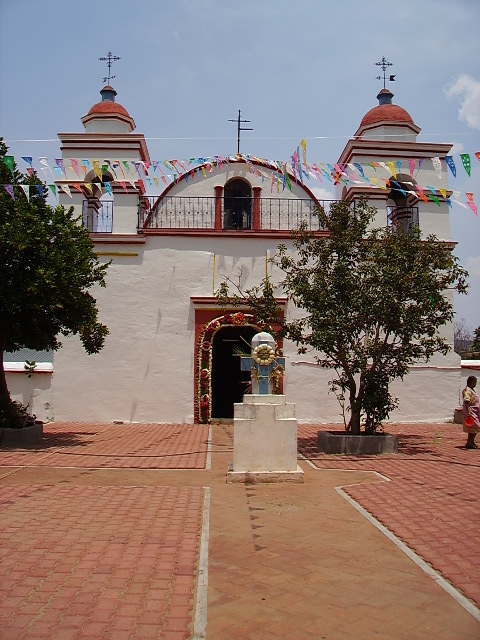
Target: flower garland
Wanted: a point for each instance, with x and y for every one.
(203, 404)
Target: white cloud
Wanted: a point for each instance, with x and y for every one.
(468, 90)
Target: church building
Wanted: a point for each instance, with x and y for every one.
(172, 352)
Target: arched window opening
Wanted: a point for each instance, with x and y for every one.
(97, 209)
(237, 204)
(402, 193)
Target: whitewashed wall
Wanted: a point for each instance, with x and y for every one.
(146, 370)
(34, 392)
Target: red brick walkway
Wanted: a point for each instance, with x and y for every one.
(100, 530)
(432, 502)
(97, 562)
(136, 446)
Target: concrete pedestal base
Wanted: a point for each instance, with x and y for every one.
(264, 477)
(264, 441)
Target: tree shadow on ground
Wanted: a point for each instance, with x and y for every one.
(412, 445)
(61, 440)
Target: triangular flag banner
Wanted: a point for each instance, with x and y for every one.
(108, 187)
(26, 190)
(444, 193)
(437, 164)
(155, 179)
(66, 188)
(411, 166)
(74, 162)
(59, 163)
(77, 186)
(9, 190)
(97, 169)
(470, 197)
(473, 207)
(40, 190)
(44, 163)
(123, 185)
(433, 195)
(466, 162)
(304, 151)
(421, 195)
(28, 160)
(10, 162)
(451, 165)
(477, 155)
(53, 189)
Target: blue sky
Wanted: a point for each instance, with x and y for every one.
(303, 69)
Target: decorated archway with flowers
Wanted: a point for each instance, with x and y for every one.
(203, 372)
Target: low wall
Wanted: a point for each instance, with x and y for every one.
(34, 391)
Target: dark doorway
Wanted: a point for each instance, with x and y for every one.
(237, 204)
(229, 383)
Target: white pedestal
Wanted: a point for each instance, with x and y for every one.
(265, 441)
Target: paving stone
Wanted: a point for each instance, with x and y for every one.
(100, 529)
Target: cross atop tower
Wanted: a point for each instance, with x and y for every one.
(240, 128)
(110, 59)
(384, 64)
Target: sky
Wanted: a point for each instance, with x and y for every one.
(297, 70)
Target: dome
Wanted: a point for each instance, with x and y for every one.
(386, 112)
(106, 107)
(108, 111)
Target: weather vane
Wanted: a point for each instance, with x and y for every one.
(239, 128)
(384, 64)
(109, 60)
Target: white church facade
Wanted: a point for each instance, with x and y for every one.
(171, 352)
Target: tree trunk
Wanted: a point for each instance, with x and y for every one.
(355, 412)
(8, 416)
(354, 424)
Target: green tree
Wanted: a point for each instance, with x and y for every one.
(47, 267)
(475, 346)
(372, 303)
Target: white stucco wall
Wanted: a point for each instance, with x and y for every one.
(34, 392)
(146, 370)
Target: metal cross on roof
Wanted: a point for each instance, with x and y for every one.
(384, 64)
(110, 59)
(239, 128)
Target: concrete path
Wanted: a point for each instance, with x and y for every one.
(130, 531)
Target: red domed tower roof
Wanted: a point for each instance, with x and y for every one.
(386, 113)
(108, 108)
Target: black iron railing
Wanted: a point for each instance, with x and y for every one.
(98, 215)
(203, 212)
(289, 213)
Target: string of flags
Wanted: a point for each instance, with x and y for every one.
(137, 172)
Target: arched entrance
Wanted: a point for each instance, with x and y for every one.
(228, 382)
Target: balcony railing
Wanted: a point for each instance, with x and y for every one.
(403, 217)
(177, 212)
(98, 215)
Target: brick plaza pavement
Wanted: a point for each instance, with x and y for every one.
(101, 532)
